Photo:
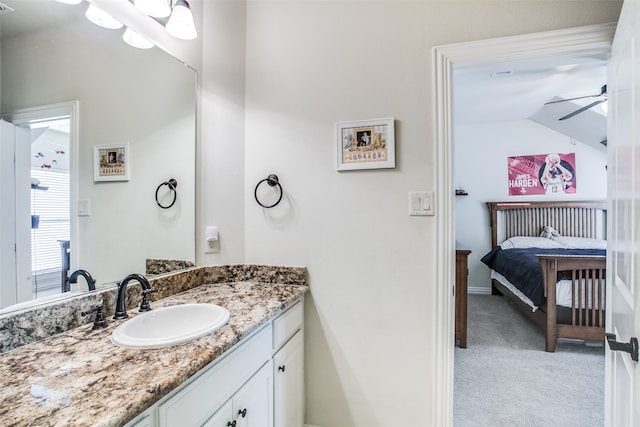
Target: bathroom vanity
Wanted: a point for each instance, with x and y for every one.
(259, 381)
(249, 372)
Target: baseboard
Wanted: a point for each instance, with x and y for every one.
(479, 290)
(311, 425)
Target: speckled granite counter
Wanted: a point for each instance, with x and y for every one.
(41, 321)
(80, 377)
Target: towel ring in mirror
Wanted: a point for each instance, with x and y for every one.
(272, 181)
(172, 184)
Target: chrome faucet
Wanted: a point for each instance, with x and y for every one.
(121, 309)
(91, 282)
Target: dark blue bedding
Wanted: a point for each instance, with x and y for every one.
(522, 268)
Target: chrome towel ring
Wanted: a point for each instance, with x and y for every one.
(272, 181)
(172, 184)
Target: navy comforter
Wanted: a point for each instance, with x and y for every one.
(522, 268)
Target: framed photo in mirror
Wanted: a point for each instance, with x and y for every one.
(367, 144)
(111, 162)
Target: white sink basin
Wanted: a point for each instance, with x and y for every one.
(167, 326)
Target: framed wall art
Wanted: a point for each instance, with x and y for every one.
(366, 144)
(111, 162)
(549, 173)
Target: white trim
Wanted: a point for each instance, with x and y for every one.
(588, 40)
(72, 109)
(478, 290)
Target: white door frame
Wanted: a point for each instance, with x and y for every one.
(581, 41)
(71, 109)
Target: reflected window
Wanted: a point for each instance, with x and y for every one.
(50, 203)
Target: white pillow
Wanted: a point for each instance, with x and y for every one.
(531, 242)
(581, 242)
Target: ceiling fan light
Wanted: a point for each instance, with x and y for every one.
(102, 18)
(136, 40)
(180, 23)
(154, 8)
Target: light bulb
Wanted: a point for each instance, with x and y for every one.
(136, 40)
(154, 8)
(102, 18)
(180, 23)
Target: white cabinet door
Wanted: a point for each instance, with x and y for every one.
(222, 418)
(146, 419)
(253, 403)
(250, 406)
(288, 378)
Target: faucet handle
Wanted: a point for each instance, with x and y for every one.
(144, 305)
(99, 322)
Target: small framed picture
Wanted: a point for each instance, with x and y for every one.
(111, 162)
(366, 144)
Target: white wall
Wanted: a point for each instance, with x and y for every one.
(481, 151)
(310, 64)
(221, 146)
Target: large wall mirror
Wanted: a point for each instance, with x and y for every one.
(117, 95)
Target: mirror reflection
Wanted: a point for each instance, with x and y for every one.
(73, 89)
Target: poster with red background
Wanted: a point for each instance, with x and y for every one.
(552, 173)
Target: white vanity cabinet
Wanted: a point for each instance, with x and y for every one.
(258, 383)
(194, 403)
(251, 406)
(288, 368)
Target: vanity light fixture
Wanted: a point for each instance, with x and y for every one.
(180, 23)
(136, 40)
(102, 18)
(153, 8)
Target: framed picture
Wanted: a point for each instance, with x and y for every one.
(367, 144)
(111, 162)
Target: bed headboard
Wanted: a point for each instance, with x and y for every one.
(570, 218)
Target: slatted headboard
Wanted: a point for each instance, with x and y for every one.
(570, 218)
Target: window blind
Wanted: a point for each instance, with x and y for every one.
(54, 208)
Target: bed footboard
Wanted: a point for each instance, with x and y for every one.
(586, 277)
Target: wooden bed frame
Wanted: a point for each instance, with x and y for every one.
(569, 218)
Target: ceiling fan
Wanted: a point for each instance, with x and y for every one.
(602, 95)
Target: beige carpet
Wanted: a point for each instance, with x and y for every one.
(505, 378)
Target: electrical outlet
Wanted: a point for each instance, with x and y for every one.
(211, 246)
(211, 242)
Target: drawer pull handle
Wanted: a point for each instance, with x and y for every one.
(281, 368)
(243, 412)
(231, 423)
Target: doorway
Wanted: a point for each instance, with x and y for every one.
(590, 40)
(46, 140)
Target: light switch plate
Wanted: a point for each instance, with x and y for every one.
(421, 203)
(84, 207)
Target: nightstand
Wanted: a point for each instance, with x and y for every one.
(461, 295)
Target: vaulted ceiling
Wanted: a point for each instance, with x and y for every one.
(517, 91)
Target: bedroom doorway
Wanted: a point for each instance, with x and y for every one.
(583, 41)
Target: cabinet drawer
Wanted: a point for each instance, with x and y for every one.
(193, 404)
(287, 324)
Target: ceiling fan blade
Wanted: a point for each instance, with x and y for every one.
(580, 110)
(571, 99)
(603, 92)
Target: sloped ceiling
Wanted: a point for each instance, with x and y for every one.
(518, 91)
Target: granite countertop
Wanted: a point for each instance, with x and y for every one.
(81, 378)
